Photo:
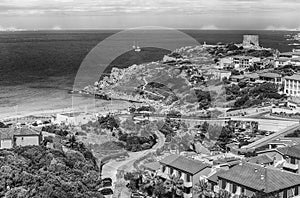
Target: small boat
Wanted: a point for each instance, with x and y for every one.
(136, 47)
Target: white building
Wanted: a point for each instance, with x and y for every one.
(292, 85)
(288, 58)
(11, 137)
(244, 62)
(74, 118)
(226, 62)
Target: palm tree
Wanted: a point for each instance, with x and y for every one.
(202, 190)
(223, 194)
(174, 186)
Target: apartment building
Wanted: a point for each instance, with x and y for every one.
(189, 170)
(288, 158)
(249, 179)
(292, 85)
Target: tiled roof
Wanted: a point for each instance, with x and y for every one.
(152, 166)
(286, 54)
(237, 76)
(214, 177)
(185, 164)
(293, 77)
(270, 75)
(7, 133)
(251, 75)
(226, 160)
(260, 159)
(261, 178)
(292, 151)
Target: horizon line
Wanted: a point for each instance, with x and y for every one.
(120, 29)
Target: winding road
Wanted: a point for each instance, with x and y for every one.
(111, 168)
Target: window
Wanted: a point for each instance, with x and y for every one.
(163, 168)
(223, 184)
(187, 190)
(297, 190)
(234, 188)
(293, 160)
(188, 177)
(171, 170)
(285, 194)
(179, 173)
(242, 190)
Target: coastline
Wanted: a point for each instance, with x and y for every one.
(82, 105)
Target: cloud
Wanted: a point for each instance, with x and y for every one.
(56, 28)
(271, 27)
(10, 29)
(209, 27)
(104, 7)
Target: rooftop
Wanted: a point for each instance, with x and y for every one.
(214, 177)
(260, 178)
(252, 75)
(270, 75)
(154, 166)
(238, 76)
(72, 114)
(260, 159)
(7, 133)
(292, 151)
(293, 77)
(286, 141)
(185, 164)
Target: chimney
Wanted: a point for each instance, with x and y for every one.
(255, 170)
(262, 177)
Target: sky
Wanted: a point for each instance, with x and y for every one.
(120, 14)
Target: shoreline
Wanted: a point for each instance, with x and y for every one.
(100, 106)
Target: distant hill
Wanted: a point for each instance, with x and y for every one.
(146, 55)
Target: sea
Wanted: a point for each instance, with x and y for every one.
(37, 68)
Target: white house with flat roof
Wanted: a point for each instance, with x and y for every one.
(73, 118)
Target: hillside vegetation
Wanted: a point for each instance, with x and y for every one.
(40, 172)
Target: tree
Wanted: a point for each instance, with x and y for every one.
(201, 189)
(159, 190)
(223, 194)
(174, 186)
(241, 101)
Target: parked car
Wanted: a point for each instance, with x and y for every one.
(107, 179)
(121, 158)
(107, 192)
(137, 195)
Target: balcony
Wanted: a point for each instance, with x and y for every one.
(188, 184)
(190, 195)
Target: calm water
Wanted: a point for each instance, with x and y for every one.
(37, 68)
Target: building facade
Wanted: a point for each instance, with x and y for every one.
(251, 179)
(292, 85)
(189, 170)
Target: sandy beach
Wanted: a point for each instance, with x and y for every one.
(75, 104)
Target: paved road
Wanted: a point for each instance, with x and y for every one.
(269, 124)
(111, 168)
(274, 136)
